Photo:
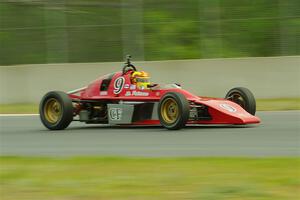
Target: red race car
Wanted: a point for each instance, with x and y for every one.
(128, 97)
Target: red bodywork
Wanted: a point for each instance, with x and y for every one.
(222, 111)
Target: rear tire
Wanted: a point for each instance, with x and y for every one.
(243, 97)
(56, 110)
(173, 110)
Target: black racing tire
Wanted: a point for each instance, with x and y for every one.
(56, 110)
(244, 97)
(173, 110)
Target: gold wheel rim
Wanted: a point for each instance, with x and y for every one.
(169, 110)
(52, 110)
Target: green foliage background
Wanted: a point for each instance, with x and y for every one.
(57, 31)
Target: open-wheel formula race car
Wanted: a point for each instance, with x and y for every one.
(128, 97)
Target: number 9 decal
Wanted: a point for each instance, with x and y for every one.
(118, 85)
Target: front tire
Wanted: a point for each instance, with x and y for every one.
(56, 110)
(243, 97)
(173, 110)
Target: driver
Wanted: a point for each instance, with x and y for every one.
(140, 79)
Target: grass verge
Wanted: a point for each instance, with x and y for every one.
(149, 178)
(278, 104)
(19, 108)
(262, 104)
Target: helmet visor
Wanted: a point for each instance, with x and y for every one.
(143, 80)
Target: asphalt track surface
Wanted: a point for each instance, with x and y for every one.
(277, 135)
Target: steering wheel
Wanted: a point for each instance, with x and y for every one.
(128, 66)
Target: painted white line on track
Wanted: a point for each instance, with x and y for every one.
(18, 115)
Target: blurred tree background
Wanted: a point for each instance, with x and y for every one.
(60, 31)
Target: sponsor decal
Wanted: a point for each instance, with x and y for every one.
(136, 93)
(103, 93)
(139, 93)
(126, 86)
(228, 107)
(118, 85)
(115, 114)
(132, 87)
(128, 93)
